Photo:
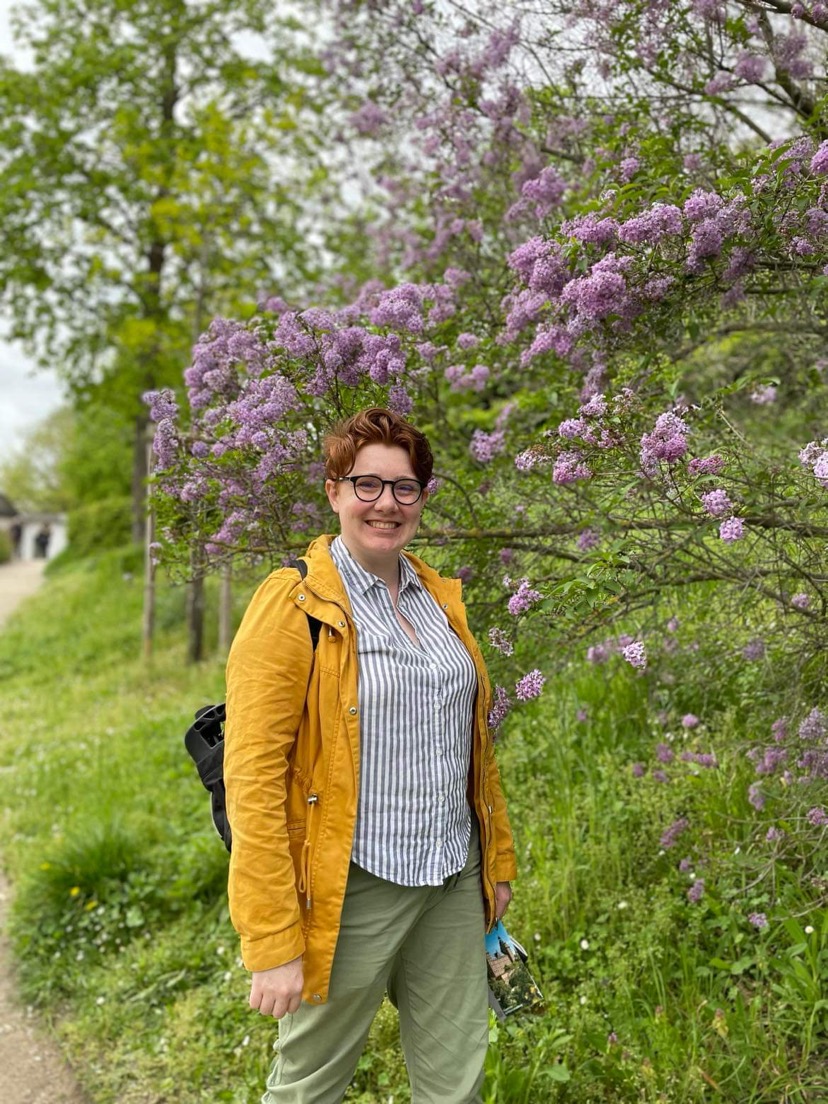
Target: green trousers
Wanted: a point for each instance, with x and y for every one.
(424, 946)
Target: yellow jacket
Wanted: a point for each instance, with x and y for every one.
(291, 766)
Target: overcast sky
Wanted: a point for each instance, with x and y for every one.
(27, 395)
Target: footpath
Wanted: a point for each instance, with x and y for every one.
(32, 1070)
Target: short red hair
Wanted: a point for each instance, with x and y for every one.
(375, 426)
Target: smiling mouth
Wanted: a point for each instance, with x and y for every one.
(384, 524)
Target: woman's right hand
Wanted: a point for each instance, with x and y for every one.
(278, 990)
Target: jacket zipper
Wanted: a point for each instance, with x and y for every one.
(305, 874)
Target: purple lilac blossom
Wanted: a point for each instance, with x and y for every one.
(670, 835)
(779, 729)
(529, 686)
(731, 530)
(708, 465)
(523, 598)
(801, 601)
(814, 727)
(764, 395)
(667, 442)
(506, 556)
(758, 919)
(485, 446)
(819, 162)
(597, 653)
(500, 708)
(717, 503)
(755, 796)
(696, 891)
(635, 655)
(588, 539)
(570, 467)
(498, 639)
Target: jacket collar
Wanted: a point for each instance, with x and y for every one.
(324, 579)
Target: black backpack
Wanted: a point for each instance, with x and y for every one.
(204, 741)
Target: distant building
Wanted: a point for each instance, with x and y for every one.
(31, 529)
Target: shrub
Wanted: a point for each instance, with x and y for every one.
(98, 525)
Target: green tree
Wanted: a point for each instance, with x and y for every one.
(150, 176)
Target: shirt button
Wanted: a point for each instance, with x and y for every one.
(317, 997)
(352, 710)
(301, 597)
(341, 624)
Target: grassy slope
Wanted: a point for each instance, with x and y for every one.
(121, 921)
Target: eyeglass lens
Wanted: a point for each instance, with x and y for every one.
(405, 491)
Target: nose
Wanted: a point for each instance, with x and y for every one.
(387, 499)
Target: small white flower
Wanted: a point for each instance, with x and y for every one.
(584, 944)
(537, 937)
(583, 1000)
(245, 1040)
(219, 950)
(100, 1000)
(809, 929)
(623, 904)
(737, 850)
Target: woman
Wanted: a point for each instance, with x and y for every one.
(370, 839)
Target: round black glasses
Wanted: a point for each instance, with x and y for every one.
(368, 488)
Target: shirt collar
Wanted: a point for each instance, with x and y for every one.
(355, 575)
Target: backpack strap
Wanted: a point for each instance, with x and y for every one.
(313, 624)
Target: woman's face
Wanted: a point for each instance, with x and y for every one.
(376, 532)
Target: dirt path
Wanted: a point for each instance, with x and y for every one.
(32, 1070)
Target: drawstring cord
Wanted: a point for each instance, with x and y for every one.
(304, 876)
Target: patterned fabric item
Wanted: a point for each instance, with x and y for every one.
(416, 704)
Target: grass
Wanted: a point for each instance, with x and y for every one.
(120, 919)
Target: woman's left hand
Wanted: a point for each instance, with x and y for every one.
(503, 895)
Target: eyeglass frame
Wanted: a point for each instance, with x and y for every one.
(392, 483)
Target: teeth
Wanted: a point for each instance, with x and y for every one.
(383, 524)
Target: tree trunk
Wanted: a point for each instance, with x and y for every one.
(140, 471)
(195, 618)
(225, 617)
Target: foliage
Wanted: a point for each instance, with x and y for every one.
(5, 547)
(120, 914)
(31, 476)
(148, 178)
(102, 524)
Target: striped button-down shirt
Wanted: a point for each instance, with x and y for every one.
(416, 704)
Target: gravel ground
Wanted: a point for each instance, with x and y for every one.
(32, 1070)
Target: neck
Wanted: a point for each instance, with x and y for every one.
(386, 568)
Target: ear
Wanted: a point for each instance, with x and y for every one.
(332, 491)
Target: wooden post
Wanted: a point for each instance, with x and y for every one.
(148, 621)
